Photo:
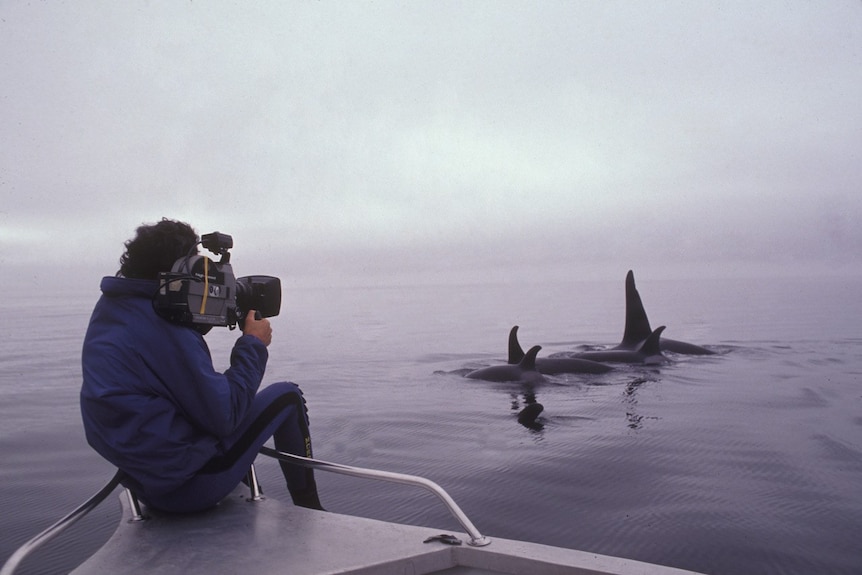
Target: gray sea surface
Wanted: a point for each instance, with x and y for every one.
(747, 461)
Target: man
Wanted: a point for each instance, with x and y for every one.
(153, 404)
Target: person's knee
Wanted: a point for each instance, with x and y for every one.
(287, 399)
(280, 392)
(285, 387)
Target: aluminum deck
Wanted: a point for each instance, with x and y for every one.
(270, 537)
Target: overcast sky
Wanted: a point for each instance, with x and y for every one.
(362, 135)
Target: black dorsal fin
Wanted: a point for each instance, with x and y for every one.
(516, 352)
(637, 325)
(652, 345)
(529, 361)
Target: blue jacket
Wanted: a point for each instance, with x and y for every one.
(151, 400)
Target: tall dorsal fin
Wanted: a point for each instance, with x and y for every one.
(652, 345)
(516, 352)
(637, 325)
(529, 361)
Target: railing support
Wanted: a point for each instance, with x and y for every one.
(253, 485)
(134, 506)
(476, 538)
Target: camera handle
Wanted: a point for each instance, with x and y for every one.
(241, 319)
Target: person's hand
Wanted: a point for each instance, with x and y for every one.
(259, 328)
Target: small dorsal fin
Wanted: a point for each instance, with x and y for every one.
(528, 415)
(637, 326)
(529, 361)
(652, 345)
(516, 352)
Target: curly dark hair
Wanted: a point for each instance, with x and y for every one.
(156, 247)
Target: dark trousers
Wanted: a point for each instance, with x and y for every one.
(278, 411)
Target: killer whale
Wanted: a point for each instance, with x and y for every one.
(523, 371)
(637, 328)
(649, 352)
(554, 365)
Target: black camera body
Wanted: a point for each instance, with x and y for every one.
(202, 293)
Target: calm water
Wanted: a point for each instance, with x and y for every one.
(749, 461)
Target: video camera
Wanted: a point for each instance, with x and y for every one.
(203, 293)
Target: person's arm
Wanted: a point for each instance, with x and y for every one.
(215, 402)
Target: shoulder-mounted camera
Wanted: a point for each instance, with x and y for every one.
(203, 293)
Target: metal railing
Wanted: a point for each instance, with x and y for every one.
(60, 526)
(476, 538)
